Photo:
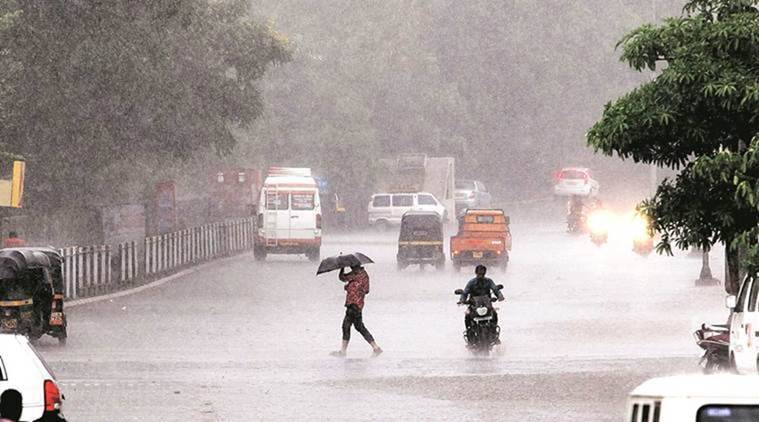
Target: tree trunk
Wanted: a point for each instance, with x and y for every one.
(732, 269)
(706, 271)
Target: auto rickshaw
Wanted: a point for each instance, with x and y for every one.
(421, 240)
(30, 304)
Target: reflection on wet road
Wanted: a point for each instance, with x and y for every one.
(242, 340)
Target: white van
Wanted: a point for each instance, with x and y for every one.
(744, 327)
(386, 209)
(289, 214)
(24, 370)
(695, 398)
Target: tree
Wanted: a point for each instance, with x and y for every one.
(91, 88)
(704, 100)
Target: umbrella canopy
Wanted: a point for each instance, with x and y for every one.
(341, 261)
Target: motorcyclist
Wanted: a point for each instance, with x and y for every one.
(575, 209)
(479, 286)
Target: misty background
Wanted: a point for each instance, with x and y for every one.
(506, 88)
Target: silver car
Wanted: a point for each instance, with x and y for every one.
(471, 194)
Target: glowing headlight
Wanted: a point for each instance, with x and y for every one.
(482, 311)
(599, 221)
(640, 228)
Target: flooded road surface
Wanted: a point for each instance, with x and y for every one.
(241, 340)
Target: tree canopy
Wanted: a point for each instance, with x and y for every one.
(704, 101)
(91, 87)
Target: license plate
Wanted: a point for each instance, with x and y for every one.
(476, 254)
(9, 324)
(487, 318)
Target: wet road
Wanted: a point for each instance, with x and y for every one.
(240, 340)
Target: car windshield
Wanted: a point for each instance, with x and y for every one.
(464, 185)
(728, 413)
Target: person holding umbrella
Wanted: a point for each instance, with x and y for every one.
(356, 289)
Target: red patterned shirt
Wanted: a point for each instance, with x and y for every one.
(356, 288)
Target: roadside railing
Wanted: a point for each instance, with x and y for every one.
(95, 270)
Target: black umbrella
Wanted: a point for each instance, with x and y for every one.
(341, 261)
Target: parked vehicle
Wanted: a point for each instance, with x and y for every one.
(744, 327)
(575, 181)
(471, 194)
(53, 318)
(289, 215)
(484, 237)
(386, 209)
(421, 240)
(24, 370)
(484, 332)
(715, 340)
(695, 398)
(27, 294)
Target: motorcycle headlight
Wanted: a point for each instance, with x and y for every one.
(482, 311)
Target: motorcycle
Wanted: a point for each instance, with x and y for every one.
(715, 340)
(483, 332)
(599, 238)
(575, 222)
(599, 222)
(643, 247)
(643, 241)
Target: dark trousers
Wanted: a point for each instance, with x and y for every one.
(353, 317)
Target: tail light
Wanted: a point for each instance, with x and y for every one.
(471, 195)
(557, 175)
(318, 221)
(260, 221)
(52, 396)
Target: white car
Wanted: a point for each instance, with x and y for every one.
(23, 369)
(695, 398)
(744, 327)
(575, 181)
(387, 209)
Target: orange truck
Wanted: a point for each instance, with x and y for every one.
(484, 238)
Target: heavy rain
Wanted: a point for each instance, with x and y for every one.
(238, 210)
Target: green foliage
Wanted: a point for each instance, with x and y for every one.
(90, 87)
(697, 115)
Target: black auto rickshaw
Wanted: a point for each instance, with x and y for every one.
(421, 240)
(30, 303)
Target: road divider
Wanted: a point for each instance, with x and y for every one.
(101, 269)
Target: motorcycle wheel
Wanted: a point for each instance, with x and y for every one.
(483, 340)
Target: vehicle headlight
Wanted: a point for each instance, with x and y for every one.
(482, 311)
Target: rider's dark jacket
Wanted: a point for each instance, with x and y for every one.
(480, 287)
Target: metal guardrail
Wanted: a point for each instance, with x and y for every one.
(100, 269)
